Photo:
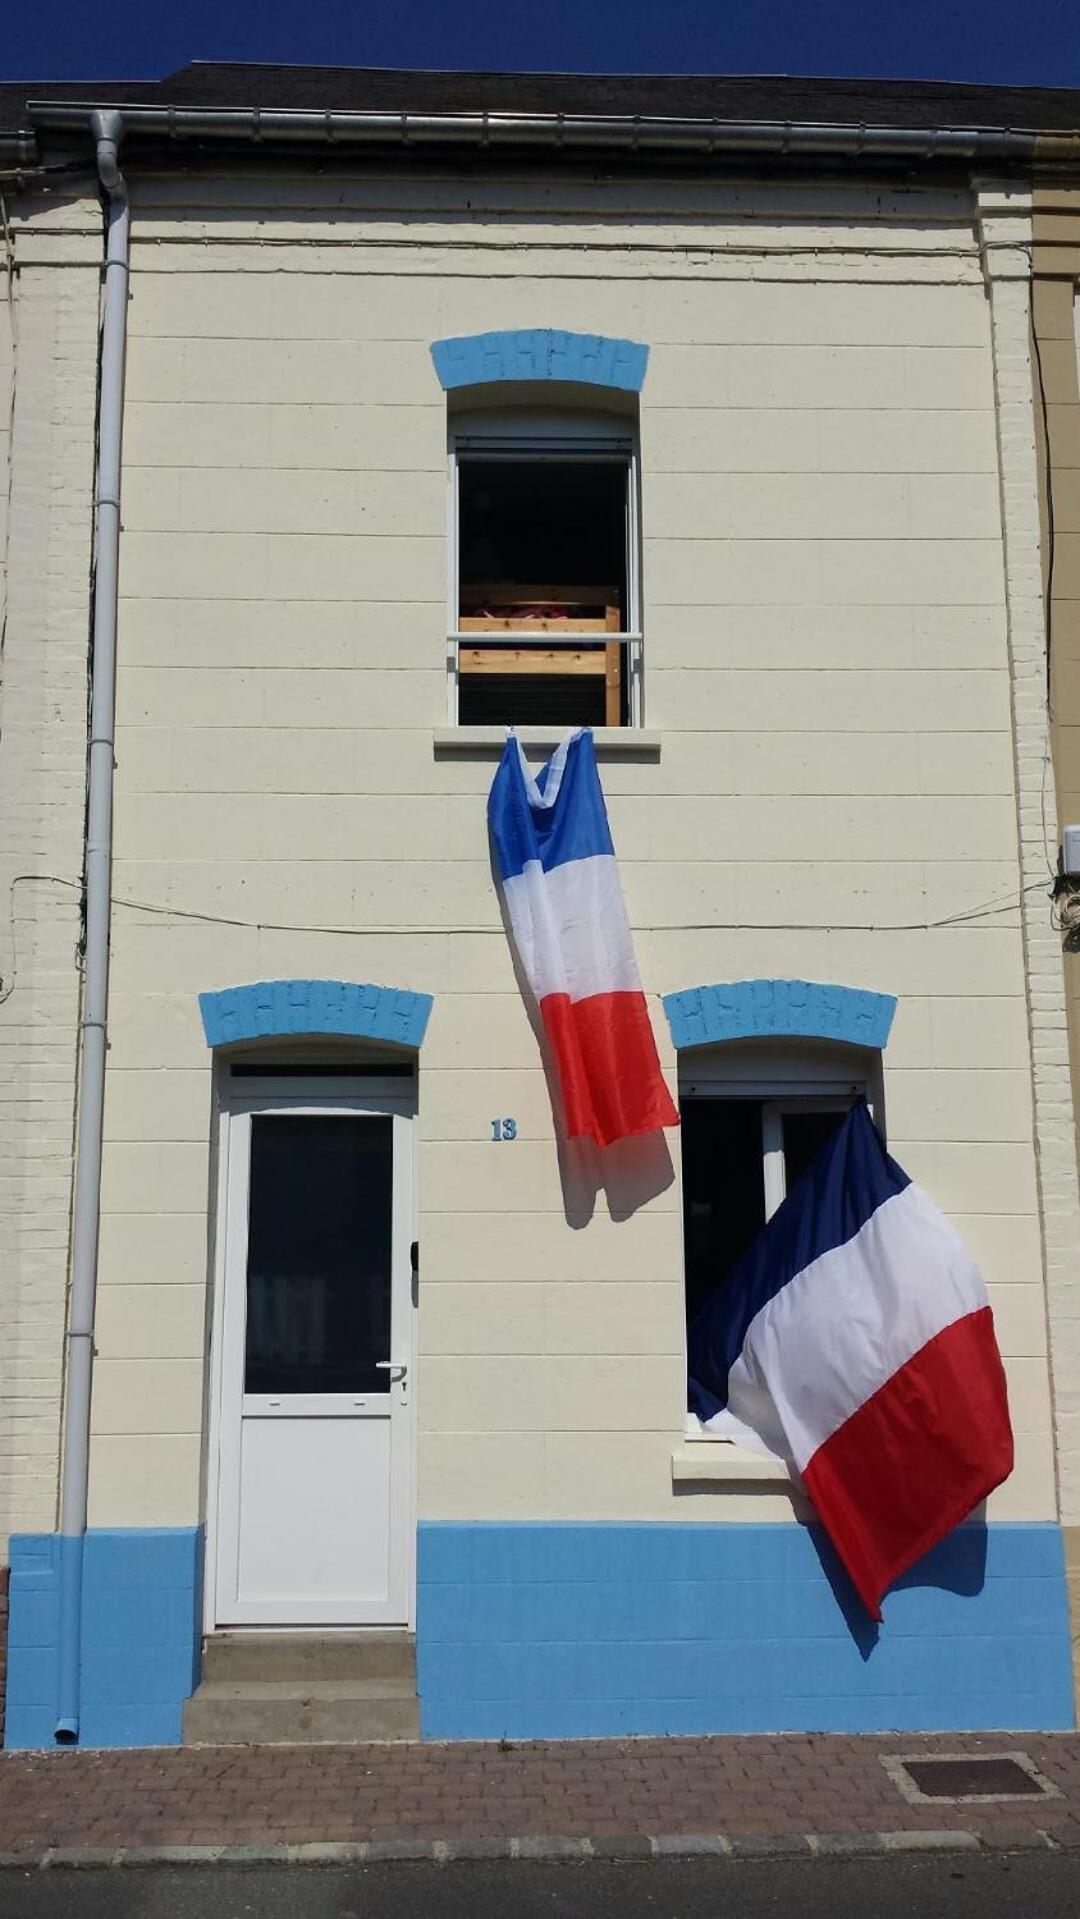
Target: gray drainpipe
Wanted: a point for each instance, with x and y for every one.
(108, 130)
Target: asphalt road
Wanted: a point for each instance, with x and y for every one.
(1040, 1885)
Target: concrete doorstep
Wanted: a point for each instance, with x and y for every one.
(533, 1847)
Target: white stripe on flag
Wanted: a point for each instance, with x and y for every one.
(570, 928)
(836, 1332)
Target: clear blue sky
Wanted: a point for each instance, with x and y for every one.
(1008, 42)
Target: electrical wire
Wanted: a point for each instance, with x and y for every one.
(988, 910)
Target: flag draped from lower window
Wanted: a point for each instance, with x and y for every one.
(854, 1340)
(564, 903)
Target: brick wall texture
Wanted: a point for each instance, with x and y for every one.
(42, 758)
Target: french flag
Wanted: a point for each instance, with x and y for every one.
(854, 1340)
(561, 887)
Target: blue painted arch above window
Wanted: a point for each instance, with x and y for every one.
(333, 1008)
(540, 353)
(779, 1008)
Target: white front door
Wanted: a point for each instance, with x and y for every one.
(313, 1508)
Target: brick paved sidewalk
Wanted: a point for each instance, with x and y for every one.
(747, 1789)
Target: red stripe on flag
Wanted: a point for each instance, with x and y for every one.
(916, 1458)
(608, 1067)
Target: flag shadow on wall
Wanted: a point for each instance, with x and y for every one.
(956, 1565)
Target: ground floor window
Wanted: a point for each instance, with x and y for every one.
(741, 1156)
(754, 1116)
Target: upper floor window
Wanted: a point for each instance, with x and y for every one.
(544, 576)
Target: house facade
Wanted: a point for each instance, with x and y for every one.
(714, 432)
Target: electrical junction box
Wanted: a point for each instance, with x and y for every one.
(1070, 851)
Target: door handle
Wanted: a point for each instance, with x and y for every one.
(391, 1366)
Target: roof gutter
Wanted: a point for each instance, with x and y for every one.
(783, 139)
(18, 151)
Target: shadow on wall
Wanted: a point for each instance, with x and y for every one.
(629, 1173)
(632, 1171)
(957, 1565)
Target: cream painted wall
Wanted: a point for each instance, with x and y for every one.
(827, 662)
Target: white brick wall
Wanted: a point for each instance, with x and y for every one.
(827, 658)
(42, 759)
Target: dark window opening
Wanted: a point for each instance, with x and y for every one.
(527, 699)
(542, 557)
(723, 1189)
(727, 1193)
(535, 533)
(805, 1134)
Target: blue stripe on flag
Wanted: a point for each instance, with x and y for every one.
(847, 1181)
(574, 827)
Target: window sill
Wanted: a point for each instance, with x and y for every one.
(722, 1463)
(612, 742)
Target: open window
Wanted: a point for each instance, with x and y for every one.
(544, 574)
(741, 1157)
(751, 1125)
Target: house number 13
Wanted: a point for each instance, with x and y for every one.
(504, 1129)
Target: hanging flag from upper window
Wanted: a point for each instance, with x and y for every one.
(854, 1340)
(565, 906)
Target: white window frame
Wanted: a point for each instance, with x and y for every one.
(774, 1165)
(821, 1094)
(535, 438)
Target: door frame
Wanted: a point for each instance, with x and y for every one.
(314, 1092)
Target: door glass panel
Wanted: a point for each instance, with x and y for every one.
(805, 1134)
(319, 1248)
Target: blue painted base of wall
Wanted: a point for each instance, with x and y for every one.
(584, 1631)
(141, 1630)
(581, 1631)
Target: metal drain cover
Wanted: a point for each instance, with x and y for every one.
(968, 1775)
(957, 1778)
